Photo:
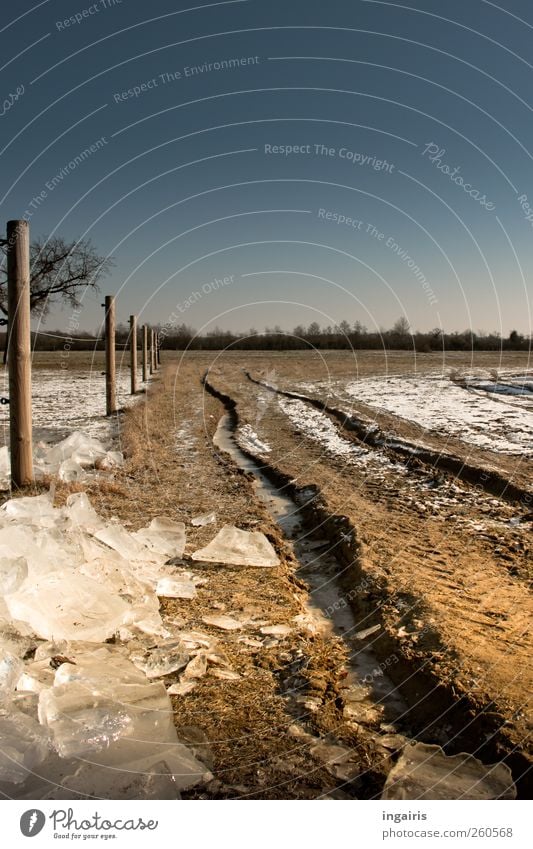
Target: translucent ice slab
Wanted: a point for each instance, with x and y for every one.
(234, 547)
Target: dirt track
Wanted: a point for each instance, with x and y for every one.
(453, 598)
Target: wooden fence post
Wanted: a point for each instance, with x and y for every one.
(133, 353)
(19, 352)
(110, 360)
(151, 351)
(158, 350)
(145, 353)
(156, 366)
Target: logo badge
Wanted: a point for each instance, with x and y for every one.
(32, 822)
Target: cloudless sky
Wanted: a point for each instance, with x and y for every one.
(389, 104)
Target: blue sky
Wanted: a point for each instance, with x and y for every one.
(341, 160)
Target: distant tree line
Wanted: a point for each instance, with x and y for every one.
(344, 336)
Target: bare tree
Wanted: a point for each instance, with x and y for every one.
(401, 327)
(60, 271)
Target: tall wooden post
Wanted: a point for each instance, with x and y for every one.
(110, 364)
(145, 353)
(158, 350)
(152, 369)
(133, 353)
(19, 352)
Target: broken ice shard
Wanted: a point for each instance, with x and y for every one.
(235, 547)
(163, 536)
(23, 745)
(425, 772)
(68, 605)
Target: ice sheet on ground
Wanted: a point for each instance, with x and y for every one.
(249, 441)
(465, 408)
(36, 676)
(276, 630)
(13, 571)
(425, 772)
(71, 555)
(38, 510)
(235, 547)
(11, 667)
(61, 583)
(196, 639)
(80, 512)
(70, 472)
(79, 447)
(225, 674)
(127, 544)
(196, 668)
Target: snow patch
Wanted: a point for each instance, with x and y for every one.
(249, 441)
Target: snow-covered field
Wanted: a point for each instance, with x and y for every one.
(487, 410)
(68, 400)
